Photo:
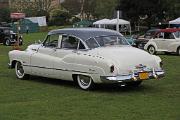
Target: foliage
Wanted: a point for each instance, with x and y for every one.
(152, 11)
(105, 9)
(73, 6)
(173, 9)
(59, 17)
(38, 8)
(48, 99)
(95, 8)
(4, 15)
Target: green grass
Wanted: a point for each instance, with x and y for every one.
(48, 99)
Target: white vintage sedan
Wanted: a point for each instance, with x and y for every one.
(87, 56)
(165, 40)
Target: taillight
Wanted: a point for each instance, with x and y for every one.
(112, 69)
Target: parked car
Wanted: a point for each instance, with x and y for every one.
(86, 56)
(166, 40)
(130, 40)
(8, 37)
(142, 40)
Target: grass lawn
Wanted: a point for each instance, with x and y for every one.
(48, 99)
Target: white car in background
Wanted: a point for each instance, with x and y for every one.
(166, 40)
(87, 56)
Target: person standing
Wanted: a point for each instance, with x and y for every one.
(27, 29)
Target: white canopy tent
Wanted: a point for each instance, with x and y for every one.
(106, 22)
(101, 23)
(176, 21)
(120, 21)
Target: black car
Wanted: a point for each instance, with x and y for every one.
(8, 37)
(142, 40)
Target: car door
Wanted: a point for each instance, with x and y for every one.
(168, 40)
(67, 52)
(165, 39)
(42, 60)
(159, 41)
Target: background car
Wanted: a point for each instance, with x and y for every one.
(8, 37)
(166, 40)
(140, 41)
(130, 40)
(87, 56)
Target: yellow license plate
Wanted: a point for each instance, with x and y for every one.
(143, 75)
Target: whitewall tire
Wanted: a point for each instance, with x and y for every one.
(7, 42)
(20, 71)
(152, 50)
(85, 82)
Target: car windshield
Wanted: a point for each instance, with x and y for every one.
(177, 34)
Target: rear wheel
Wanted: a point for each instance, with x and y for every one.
(85, 82)
(178, 51)
(151, 50)
(7, 42)
(20, 71)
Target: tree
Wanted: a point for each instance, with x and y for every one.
(149, 11)
(87, 8)
(105, 9)
(34, 8)
(59, 17)
(73, 6)
(5, 15)
(173, 9)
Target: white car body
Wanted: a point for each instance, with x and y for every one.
(161, 43)
(110, 64)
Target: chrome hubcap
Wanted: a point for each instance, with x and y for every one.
(151, 50)
(84, 80)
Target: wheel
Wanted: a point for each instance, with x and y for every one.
(20, 71)
(151, 50)
(178, 51)
(85, 82)
(7, 42)
(133, 84)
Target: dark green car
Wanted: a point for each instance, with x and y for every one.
(8, 37)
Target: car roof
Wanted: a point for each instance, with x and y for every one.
(152, 30)
(85, 33)
(170, 30)
(5, 28)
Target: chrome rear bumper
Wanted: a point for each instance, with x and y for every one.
(133, 76)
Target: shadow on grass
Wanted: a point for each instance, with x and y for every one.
(55, 82)
(117, 88)
(98, 88)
